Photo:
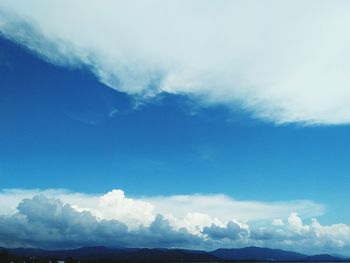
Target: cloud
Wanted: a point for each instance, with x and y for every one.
(132, 211)
(50, 223)
(232, 230)
(281, 61)
(47, 222)
(205, 208)
(332, 238)
(277, 222)
(62, 219)
(190, 211)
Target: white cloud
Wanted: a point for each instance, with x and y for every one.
(233, 230)
(283, 61)
(229, 209)
(62, 219)
(277, 222)
(334, 237)
(49, 223)
(194, 212)
(112, 205)
(295, 223)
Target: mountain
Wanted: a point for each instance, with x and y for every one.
(256, 253)
(81, 253)
(171, 255)
(338, 256)
(322, 257)
(131, 254)
(168, 255)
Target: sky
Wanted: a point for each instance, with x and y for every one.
(192, 124)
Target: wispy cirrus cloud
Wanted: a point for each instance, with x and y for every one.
(281, 61)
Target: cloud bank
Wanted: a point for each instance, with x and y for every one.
(190, 211)
(43, 219)
(282, 62)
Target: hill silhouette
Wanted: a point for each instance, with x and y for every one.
(101, 253)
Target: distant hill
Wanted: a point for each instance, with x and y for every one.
(171, 255)
(83, 253)
(132, 254)
(256, 253)
(322, 257)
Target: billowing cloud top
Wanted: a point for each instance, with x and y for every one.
(282, 61)
(62, 219)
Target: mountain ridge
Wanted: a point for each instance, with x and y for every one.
(173, 254)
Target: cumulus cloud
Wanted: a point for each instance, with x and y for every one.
(47, 222)
(313, 236)
(50, 223)
(233, 230)
(190, 211)
(61, 219)
(281, 61)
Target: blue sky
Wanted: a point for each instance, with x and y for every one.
(58, 132)
(66, 125)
